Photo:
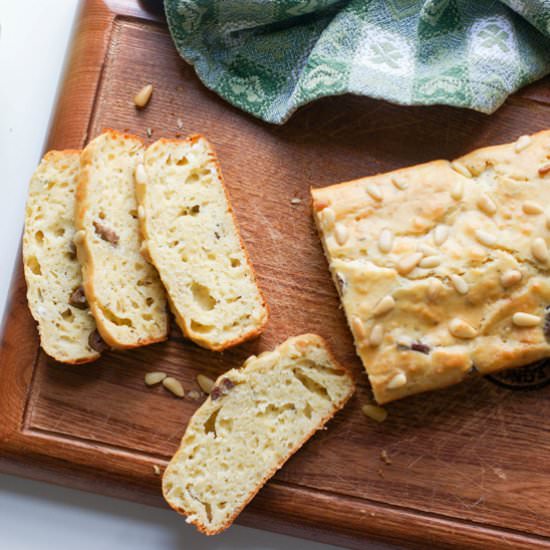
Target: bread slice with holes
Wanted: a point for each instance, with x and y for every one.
(254, 420)
(192, 238)
(124, 291)
(51, 268)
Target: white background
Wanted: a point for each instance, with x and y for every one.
(33, 41)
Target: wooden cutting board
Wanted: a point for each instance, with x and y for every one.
(468, 467)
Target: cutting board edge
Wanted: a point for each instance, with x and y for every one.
(332, 518)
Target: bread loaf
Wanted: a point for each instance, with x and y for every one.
(124, 291)
(443, 268)
(52, 271)
(255, 418)
(191, 237)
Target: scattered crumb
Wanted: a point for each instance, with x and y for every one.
(384, 457)
(179, 123)
(380, 473)
(156, 469)
(195, 395)
(499, 472)
(375, 412)
(149, 132)
(295, 200)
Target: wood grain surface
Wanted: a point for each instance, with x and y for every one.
(467, 467)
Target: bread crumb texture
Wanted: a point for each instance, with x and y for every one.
(192, 239)
(123, 290)
(51, 268)
(255, 418)
(458, 250)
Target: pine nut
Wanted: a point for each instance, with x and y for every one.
(374, 191)
(485, 238)
(430, 261)
(486, 204)
(457, 166)
(205, 384)
(441, 232)
(174, 386)
(427, 250)
(341, 234)
(461, 329)
(152, 378)
(461, 286)
(435, 287)
(397, 381)
(408, 263)
(385, 305)
(385, 241)
(532, 208)
(522, 319)
(510, 278)
(376, 413)
(140, 175)
(141, 99)
(400, 183)
(457, 192)
(544, 169)
(358, 328)
(540, 250)
(376, 335)
(522, 143)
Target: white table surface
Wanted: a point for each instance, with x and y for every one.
(34, 36)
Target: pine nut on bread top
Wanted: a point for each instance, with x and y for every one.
(443, 268)
(51, 268)
(191, 237)
(124, 291)
(255, 419)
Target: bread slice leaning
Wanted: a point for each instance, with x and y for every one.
(192, 239)
(255, 418)
(51, 268)
(124, 291)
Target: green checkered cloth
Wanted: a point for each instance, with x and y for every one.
(269, 57)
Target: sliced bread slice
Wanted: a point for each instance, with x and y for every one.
(255, 418)
(192, 238)
(124, 291)
(67, 329)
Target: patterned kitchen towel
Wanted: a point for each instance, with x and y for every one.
(268, 57)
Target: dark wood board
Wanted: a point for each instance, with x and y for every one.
(470, 466)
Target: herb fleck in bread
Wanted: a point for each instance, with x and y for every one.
(51, 268)
(443, 268)
(255, 418)
(192, 239)
(124, 291)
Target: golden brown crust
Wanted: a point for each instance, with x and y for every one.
(305, 339)
(449, 312)
(204, 342)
